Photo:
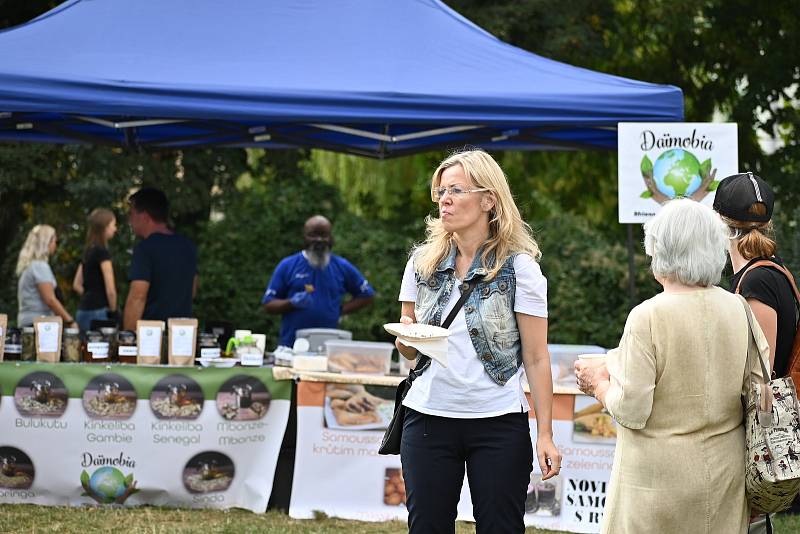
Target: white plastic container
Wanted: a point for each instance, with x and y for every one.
(359, 357)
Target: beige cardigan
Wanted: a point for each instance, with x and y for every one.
(676, 381)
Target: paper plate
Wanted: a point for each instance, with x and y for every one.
(218, 362)
(416, 331)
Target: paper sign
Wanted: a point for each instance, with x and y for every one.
(150, 341)
(48, 338)
(210, 352)
(661, 161)
(127, 351)
(181, 339)
(99, 350)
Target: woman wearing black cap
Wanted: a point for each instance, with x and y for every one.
(745, 203)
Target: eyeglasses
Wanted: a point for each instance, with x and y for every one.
(457, 191)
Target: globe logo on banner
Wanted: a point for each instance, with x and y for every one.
(108, 485)
(677, 173)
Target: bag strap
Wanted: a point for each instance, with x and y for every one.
(773, 265)
(466, 289)
(752, 352)
(425, 361)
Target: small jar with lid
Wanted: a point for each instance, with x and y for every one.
(13, 347)
(28, 353)
(71, 346)
(110, 337)
(208, 346)
(95, 349)
(126, 346)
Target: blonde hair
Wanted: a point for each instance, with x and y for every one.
(695, 257)
(36, 246)
(753, 239)
(508, 233)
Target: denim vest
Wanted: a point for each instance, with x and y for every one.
(489, 311)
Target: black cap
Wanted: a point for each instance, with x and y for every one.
(739, 195)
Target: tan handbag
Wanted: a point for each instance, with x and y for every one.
(772, 430)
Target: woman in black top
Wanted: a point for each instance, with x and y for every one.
(94, 280)
(745, 203)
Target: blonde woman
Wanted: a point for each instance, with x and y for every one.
(674, 388)
(94, 279)
(36, 289)
(472, 415)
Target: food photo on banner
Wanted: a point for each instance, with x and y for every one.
(661, 161)
(133, 435)
(360, 484)
(358, 407)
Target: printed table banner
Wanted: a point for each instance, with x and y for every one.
(338, 470)
(662, 161)
(76, 434)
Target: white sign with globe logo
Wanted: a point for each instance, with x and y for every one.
(662, 161)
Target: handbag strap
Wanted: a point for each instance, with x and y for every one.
(425, 361)
(752, 352)
(773, 265)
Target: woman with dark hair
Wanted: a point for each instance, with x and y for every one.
(746, 202)
(94, 279)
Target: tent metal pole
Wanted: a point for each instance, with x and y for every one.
(631, 269)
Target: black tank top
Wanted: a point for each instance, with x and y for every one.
(771, 287)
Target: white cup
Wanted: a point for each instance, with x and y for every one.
(592, 359)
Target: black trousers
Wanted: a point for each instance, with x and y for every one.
(498, 456)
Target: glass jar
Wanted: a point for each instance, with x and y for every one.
(71, 346)
(95, 350)
(28, 353)
(13, 348)
(110, 337)
(126, 346)
(208, 346)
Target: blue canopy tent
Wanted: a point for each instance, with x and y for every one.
(379, 78)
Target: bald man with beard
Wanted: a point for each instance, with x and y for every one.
(307, 288)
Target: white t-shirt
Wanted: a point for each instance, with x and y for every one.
(464, 389)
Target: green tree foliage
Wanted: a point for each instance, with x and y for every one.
(60, 185)
(733, 59)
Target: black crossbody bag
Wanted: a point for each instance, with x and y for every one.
(391, 439)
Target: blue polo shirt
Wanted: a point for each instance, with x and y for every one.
(330, 284)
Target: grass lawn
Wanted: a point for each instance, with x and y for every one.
(24, 518)
(31, 519)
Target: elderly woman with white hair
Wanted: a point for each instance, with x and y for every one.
(674, 387)
(36, 288)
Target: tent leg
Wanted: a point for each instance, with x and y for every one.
(631, 268)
